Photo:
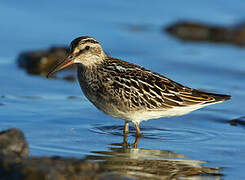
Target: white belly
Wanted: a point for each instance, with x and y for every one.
(153, 114)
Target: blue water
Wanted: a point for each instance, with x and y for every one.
(57, 124)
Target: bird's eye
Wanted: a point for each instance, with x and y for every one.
(87, 47)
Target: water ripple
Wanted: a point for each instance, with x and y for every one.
(174, 135)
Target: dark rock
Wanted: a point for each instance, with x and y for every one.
(45, 168)
(12, 142)
(40, 62)
(190, 31)
(238, 121)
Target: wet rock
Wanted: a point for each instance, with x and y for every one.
(45, 168)
(13, 142)
(40, 62)
(191, 31)
(238, 121)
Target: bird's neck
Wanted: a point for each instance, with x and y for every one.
(89, 78)
(87, 73)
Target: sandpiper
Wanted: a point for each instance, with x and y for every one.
(128, 91)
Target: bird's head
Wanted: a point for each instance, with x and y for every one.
(84, 50)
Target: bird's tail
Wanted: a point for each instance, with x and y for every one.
(217, 97)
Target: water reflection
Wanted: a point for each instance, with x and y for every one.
(128, 160)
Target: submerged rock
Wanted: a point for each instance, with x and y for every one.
(191, 31)
(13, 142)
(40, 62)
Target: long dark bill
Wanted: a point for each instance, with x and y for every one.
(67, 62)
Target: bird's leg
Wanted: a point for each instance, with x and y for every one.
(137, 127)
(125, 141)
(126, 127)
(136, 142)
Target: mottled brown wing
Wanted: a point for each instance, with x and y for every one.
(140, 87)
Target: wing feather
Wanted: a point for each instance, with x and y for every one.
(144, 88)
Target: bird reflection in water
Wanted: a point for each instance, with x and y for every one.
(127, 160)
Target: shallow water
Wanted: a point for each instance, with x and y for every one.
(58, 120)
